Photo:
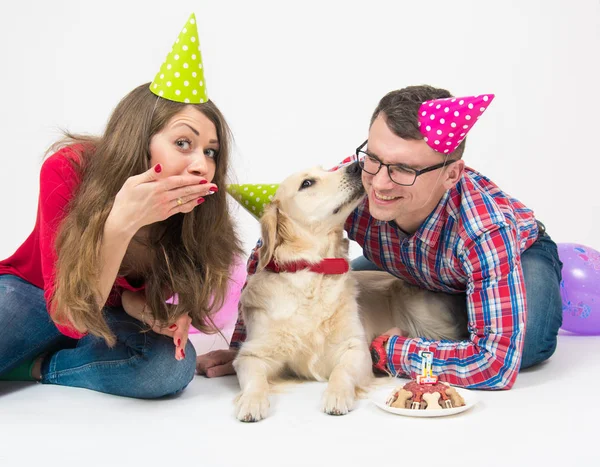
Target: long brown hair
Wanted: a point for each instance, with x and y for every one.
(190, 254)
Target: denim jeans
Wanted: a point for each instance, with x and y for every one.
(542, 275)
(142, 364)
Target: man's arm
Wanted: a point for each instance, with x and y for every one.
(497, 311)
(239, 333)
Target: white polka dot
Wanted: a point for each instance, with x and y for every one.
(186, 83)
(193, 39)
(448, 143)
(186, 100)
(447, 109)
(270, 197)
(456, 114)
(259, 187)
(470, 106)
(272, 186)
(194, 74)
(432, 117)
(177, 41)
(162, 76)
(467, 117)
(438, 106)
(177, 92)
(185, 47)
(431, 104)
(192, 21)
(451, 135)
(245, 188)
(193, 56)
(200, 65)
(169, 66)
(264, 192)
(482, 109)
(461, 102)
(453, 125)
(423, 113)
(194, 92)
(439, 132)
(246, 202)
(465, 126)
(177, 74)
(437, 141)
(160, 93)
(201, 101)
(426, 139)
(251, 193)
(264, 205)
(257, 200)
(169, 83)
(176, 57)
(254, 208)
(462, 134)
(442, 121)
(418, 124)
(446, 151)
(201, 83)
(428, 128)
(485, 98)
(155, 86)
(453, 100)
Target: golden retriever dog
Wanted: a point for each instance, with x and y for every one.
(307, 322)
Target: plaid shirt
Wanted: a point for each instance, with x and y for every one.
(472, 242)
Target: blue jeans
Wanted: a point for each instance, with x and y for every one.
(542, 274)
(142, 364)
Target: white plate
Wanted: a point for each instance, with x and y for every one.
(381, 395)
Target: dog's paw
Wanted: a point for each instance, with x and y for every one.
(252, 407)
(336, 402)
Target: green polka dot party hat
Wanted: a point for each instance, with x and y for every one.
(253, 198)
(181, 76)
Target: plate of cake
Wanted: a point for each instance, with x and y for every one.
(424, 400)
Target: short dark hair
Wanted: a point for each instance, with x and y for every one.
(401, 109)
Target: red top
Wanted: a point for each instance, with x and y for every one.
(35, 260)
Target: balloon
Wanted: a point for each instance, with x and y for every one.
(580, 288)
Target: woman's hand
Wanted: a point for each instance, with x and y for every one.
(135, 306)
(216, 363)
(147, 198)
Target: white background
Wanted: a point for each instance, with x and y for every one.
(298, 81)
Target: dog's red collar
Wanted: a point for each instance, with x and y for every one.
(325, 266)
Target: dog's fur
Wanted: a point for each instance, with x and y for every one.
(308, 324)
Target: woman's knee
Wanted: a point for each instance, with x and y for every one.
(160, 374)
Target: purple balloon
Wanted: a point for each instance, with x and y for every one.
(580, 288)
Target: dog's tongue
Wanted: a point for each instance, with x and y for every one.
(253, 198)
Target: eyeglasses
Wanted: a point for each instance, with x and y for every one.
(399, 174)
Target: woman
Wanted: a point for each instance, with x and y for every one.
(124, 222)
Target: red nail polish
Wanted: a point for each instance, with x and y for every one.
(173, 327)
(213, 190)
(178, 342)
(201, 200)
(203, 182)
(182, 353)
(158, 168)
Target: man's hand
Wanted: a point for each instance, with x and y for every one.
(216, 363)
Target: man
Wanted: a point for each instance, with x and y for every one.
(432, 221)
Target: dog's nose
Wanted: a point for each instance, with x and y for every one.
(353, 169)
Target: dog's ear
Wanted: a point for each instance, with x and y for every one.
(268, 226)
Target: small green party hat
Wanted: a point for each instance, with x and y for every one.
(181, 76)
(254, 198)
